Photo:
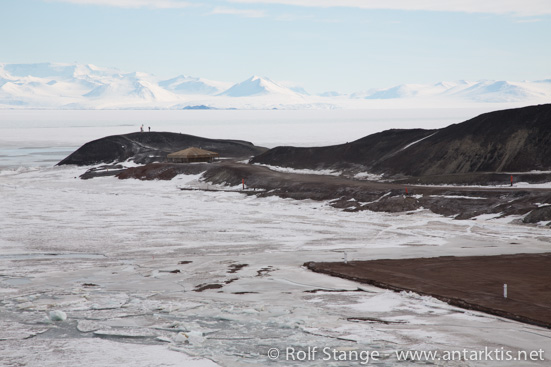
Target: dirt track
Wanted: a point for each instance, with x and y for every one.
(474, 282)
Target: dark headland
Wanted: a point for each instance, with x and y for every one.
(515, 140)
(486, 150)
(148, 147)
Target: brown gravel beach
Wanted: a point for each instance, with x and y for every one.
(474, 282)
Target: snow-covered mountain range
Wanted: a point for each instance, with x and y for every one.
(481, 91)
(77, 86)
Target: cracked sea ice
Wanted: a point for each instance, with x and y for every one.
(105, 251)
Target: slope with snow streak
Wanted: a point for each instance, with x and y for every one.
(415, 142)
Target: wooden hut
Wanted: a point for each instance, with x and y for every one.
(192, 155)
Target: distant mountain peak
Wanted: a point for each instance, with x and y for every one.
(185, 84)
(258, 86)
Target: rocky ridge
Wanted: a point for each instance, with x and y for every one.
(148, 147)
(515, 140)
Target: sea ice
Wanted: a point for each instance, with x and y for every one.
(120, 232)
(57, 315)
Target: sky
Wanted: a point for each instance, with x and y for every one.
(321, 45)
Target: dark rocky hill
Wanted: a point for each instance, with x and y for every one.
(509, 140)
(150, 147)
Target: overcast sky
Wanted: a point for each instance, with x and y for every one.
(322, 45)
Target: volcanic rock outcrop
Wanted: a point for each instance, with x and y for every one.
(515, 140)
(147, 147)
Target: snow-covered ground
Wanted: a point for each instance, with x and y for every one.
(326, 172)
(122, 259)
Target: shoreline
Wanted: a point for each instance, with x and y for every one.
(470, 282)
(528, 204)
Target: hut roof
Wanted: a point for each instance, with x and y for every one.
(193, 153)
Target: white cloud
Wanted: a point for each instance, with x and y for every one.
(247, 13)
(156, 4)
(288, 17)
(516, 7)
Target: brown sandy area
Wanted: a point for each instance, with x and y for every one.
(473, 282)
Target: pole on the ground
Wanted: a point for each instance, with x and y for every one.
(407, 191)
(243, 183)
(504, 290)
(345, 258)
(511, 180)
